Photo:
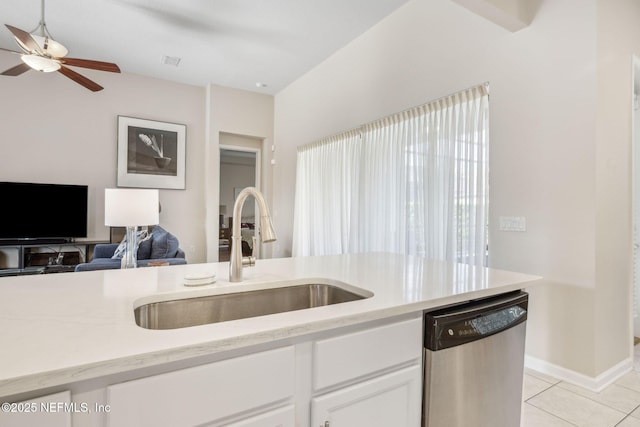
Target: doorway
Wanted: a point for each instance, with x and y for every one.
(239, 168)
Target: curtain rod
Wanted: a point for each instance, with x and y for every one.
(483, 86)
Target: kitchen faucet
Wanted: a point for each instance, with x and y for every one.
(267, 233)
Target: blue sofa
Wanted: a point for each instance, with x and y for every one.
(160, 246)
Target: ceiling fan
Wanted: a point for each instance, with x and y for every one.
(41, 53)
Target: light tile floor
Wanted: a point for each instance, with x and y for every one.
(549, 402)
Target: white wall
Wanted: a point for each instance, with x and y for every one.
(618, 38)
(56, 131)
(233, 111)
(543, 140)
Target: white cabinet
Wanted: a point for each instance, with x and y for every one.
(281, 417)
(366, 375)
(53, 410)
(349, 356)
(207, 394)
(371, 377)
(388, 400)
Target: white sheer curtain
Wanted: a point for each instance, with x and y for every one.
(415, 182)
(326, 194)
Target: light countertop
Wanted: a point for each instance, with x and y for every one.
(61, 328)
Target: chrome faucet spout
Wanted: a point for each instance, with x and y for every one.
(267, 233)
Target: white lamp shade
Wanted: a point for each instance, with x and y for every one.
(130, 207)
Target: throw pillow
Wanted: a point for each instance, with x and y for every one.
(163, 244)
(144, 248)
(119, 252)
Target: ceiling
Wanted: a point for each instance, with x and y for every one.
(234, 43)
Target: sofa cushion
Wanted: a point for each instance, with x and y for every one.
(163, 244)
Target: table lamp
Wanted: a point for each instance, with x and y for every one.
(130, 208)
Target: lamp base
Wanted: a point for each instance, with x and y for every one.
(130, 258)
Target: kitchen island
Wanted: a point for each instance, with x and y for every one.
(73, 338)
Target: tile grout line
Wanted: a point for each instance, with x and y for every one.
(626, 414)
(538, 393)
(593, 400)
(546, 379)
(551, 385)
(628, 388)
(609, 406)
(553, 415)
(631, 412)
(601, 403)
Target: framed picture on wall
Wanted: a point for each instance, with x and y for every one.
(151, 154)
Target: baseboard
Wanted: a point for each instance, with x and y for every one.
(595, 384)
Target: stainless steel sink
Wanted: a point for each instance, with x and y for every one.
(182, 313)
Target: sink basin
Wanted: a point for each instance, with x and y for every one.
(181, 313)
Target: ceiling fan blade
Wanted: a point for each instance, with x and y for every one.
(11, 51)
(94, 65)
(80, 79)
(17, 70)
(25, 38)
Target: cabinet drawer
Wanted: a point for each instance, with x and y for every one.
(205, 393)
(53, 410)
(281, 417)
(353, 355)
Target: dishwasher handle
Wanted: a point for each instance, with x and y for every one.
(473, 321)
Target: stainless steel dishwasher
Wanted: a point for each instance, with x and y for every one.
(474, 362)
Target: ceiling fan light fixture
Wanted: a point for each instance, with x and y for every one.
(41, 53)
(53, 48)
(41, 63)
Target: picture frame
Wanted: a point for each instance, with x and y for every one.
(151, 154)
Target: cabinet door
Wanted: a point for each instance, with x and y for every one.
(282, 417)
(204, 394)
(53, 410)
(388, 400)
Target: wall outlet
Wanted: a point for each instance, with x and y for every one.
(513, 223)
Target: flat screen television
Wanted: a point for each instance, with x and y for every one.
(43, 211)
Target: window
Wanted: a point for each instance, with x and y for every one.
(415, 182)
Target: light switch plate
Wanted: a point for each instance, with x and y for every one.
(513, 223)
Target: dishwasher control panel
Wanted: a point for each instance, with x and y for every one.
(474, 320)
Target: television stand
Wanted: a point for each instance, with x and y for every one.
(31, 242)
(24, 248)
